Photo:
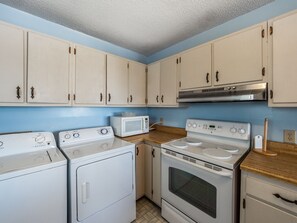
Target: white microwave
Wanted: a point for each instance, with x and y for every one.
(127, 126)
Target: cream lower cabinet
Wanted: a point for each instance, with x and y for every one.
(137, 83)
(283, 60)
(240, 57)
(90, 77)
(140, 170)
(152, 165)
(48, 70)
(162, 83)
(262, 200)
(12, 64)
(195, 68)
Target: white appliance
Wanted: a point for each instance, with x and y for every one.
(200, 173)
(127, 126)
(101, 176)
(33, 179)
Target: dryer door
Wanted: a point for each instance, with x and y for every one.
(103, 183)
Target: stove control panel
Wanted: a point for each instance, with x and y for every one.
(85, 135)
(234, 130)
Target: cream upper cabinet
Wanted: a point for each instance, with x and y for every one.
(153, 84)
(117, 80)
(48, 70)
(137, 83)
(90, 76)
(195, 68)
(12, 64)
(168, 89)
(283, 60)
(240, 57)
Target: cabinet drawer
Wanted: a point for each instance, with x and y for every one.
(265, 191)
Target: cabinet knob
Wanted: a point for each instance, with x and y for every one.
(162, 98)
(137, 151)
(101, 97)
(207, 78)
(153, 153)
(109, 97)
(157, 98)
(285, 199)
(131, 98)
(18, 92)
(32, 92)
(217, 76)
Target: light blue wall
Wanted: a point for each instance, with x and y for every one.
(254, 112)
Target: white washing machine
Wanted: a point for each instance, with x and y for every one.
(101, 173)
(33, 179)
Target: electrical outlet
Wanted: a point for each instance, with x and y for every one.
(290, 136)
(162, 120)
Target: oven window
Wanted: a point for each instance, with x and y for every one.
(194, 190)
(133, 126)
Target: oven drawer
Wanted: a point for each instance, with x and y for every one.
(271, 193)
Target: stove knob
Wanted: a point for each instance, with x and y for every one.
(241, 131)
(76, 135)
(67, 136)
(40, 138)
(189, 125)
(104, 131)
(194, 125)
(1, 143)
(233, 130)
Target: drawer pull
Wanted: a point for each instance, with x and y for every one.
(285, 199)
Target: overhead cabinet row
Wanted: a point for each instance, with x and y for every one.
(42, 70)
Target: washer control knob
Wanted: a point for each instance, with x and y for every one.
(1, 143)
(233, 130)
(40, 138)
(194, 125)
(189, 124)
(67, 136)
(241, 131)
(104, 131)
(76, 135)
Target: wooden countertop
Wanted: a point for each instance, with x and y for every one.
(161, 134)
(282, 167)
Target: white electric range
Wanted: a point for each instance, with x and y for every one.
(200, 173)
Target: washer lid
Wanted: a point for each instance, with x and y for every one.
(217, 153)
(24, 161)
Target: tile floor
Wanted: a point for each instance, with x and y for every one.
(146, 212)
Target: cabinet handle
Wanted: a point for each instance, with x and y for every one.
(157, 98)
(101, 97)
(109, 97)
(207, 78)
(131, 98)
(18, 92)
(32, 92)
(162, 98)
(285, 199)
(153, 153)
(137, 151)
(217, 76)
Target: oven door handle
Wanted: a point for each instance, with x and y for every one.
(220, 173)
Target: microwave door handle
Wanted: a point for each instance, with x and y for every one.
(224, 174)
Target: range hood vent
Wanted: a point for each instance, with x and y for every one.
(251, 92)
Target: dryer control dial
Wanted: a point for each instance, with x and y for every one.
(40, 138)
(104, 131)
(1, 143)
(241, 131)
(76, 135)
(67, 136)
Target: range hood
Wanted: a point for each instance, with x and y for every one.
(251, 92)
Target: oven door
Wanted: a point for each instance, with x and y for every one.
(204, 196)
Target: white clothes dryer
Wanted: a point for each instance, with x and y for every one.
(101, 175)
(33, 179)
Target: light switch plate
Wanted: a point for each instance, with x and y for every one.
(290, 136)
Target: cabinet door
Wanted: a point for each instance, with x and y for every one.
(257, 211)
(90, 74)
(168, 87)
(117, 80)
(148, 171)
(157, 175)
(137, 83)
(11, 64)
(153, 84)
(195, 68)
(48, 70)
(239, 57)
(140, 174)
(284, 59)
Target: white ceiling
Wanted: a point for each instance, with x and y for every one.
(144, 26)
